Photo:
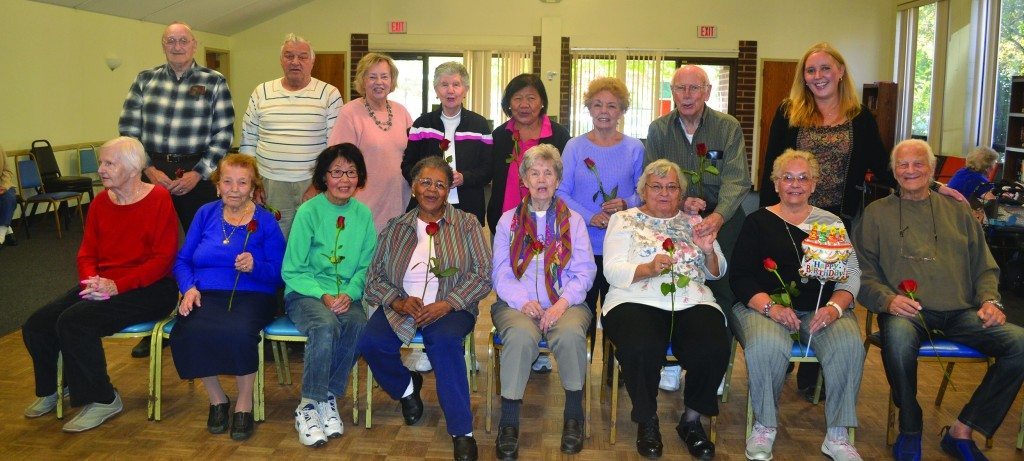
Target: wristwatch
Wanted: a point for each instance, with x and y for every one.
(995, 302)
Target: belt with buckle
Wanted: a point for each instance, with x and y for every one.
(175, 157)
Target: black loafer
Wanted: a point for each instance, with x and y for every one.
(648, 439)
(242, 425)
(572, 436)
(11, 241)
(465, 448)
(217, 422)
(507, 445)
(696, 440)
(412, 406)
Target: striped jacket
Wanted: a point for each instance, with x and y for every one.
(459, 243)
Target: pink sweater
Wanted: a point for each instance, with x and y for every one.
(387, 192)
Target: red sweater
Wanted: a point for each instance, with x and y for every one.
(133, 245)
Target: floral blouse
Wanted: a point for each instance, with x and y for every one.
(634, 238)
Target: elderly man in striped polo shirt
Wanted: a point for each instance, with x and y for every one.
(286, 127)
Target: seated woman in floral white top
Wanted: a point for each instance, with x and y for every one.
(647, 250)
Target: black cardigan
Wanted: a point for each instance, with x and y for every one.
(868, 153)
(502, 149)
(472, 157)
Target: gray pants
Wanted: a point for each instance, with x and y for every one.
(286, 198)
(767, 350)
(520, 336)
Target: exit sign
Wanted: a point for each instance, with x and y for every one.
(707, 31)
(396, 27)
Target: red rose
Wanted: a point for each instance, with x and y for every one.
(341, 222)
(909, 287)
(702, 150)
(444, 144)
(432, 228)
(769, 264)
(590, 163)
(515, 136)
(537, 246)
(277, 215)
(668, 245)
(251, 227)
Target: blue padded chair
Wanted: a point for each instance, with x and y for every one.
(139, 330)
(949, 351)
(156, 357)
(89, 165)
(28, 178)
(609, 353)
(494, 346)
(283, 330)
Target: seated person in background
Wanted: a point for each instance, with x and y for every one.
(922, 237)
(124, 268)
(973, 179)
(329, 250)
(228, 272)
(433, 236)
(8, 201)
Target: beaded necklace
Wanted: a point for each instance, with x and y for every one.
(385, 126)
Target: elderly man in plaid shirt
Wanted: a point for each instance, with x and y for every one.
(183, 115)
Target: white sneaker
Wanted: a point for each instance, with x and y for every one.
(542, 364)
(333, 427)
(422, 364)
(670, 378)
(721, 388)
(309, 427)
(94, 414)
(839, 450)
(760, 442)
(41, 406)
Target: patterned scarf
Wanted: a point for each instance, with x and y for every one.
(557, 251)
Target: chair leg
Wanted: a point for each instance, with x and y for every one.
(587, 429)
(890, 424)
(612, 430)
(259, 405)
(817, 388)
(156, 364)
(714, 429)
(750, 416)
(1020, 432)
(60, 385)
(368, 420)
(945, 382)
(605, 357)
(492, 355)
(728, 371)
(56, 217)
(472, 365)
(355, 392)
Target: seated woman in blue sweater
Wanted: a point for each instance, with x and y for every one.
(972, 180)
(228, 272)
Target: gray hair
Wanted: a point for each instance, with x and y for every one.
(129, 152)
(981, 158)
(660, 168)
(792, 154)
(295, 39)
(541, 152)
(434, 162)
(912, 144)
(451, 68)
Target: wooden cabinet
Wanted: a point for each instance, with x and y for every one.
(1015, 131)
(880, 97)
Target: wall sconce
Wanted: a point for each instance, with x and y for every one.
(551, 75)
(113, 62)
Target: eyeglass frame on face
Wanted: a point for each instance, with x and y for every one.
(689, 88)
(789, 179)
(338, 174)
(171, 41)
(427, 182)
(658, 188)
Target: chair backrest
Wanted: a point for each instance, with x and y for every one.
(28, 175)
(87, 160)
(46, 161)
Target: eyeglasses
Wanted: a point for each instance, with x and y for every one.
(427, 182)
(171, 41)
(336, 174)
(658, 188)
(790, 179)
(688, 88)
(903, 231)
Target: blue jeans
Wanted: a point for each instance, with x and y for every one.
(443, 341)
(331, 343)
(902, 338)
(8, 201)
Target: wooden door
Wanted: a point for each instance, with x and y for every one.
(776, 80)
(330, 68)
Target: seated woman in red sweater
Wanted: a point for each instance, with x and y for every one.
(124, 265)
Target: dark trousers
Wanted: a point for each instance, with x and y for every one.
(186, 205)
(700, 342)
(74, 327)
(902, 338)
(443, 340)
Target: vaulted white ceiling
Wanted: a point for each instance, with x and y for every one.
(224, 17)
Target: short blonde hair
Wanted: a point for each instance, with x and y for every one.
(660, 168)
(611, 85)
(792, 154)
(368, 61)
(129, 152)
(981, 158)
(541, 152)
(243, 161)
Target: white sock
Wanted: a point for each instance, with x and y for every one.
(838, 433)
(3, 233)
(304, 402)
(408, 390)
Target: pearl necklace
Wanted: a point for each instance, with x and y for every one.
(383, 126)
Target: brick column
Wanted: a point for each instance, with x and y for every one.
(564, 71)
(746, 82)
(360, 46)
(536, 55)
